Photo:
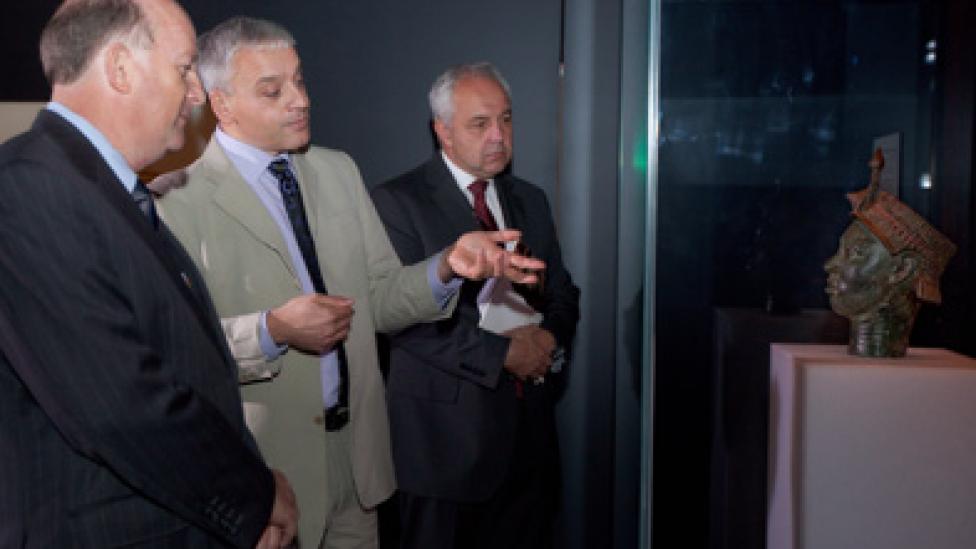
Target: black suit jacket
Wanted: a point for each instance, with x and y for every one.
(452, 405)
(120, 418)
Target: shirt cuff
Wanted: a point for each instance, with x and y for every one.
(270, 349)
(442, 292)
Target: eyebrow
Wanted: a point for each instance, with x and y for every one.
(488, 116)
(273, 79)
(190, 58)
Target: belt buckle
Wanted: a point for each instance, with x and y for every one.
(336, 417)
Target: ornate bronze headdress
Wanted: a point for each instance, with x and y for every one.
(899, 228)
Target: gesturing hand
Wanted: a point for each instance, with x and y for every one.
(477, 255)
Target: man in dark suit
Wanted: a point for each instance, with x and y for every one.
(471, 414)
(120, 418)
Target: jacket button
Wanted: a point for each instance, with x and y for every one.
(318, 420)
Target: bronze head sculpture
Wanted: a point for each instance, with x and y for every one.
(888, 262)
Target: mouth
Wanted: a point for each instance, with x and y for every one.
(833, 287)
(298, 124)
(497, 156)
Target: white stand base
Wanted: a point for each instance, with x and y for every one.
(871, 453)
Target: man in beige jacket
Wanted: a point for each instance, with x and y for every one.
(302, 273)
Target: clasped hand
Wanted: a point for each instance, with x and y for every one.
(313, 323)
(529, 352)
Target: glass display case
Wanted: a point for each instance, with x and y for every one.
(767, 114)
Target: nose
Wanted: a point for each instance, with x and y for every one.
(495, 133)
(300, 100)
(194, 89)
(831, 264)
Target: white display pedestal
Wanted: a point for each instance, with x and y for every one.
(871, 453)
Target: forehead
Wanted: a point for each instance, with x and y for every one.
(857, 234)
(258, 62)
(172, 30)
(480, 94)
(861, 236)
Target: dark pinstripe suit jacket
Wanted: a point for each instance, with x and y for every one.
(120, 419)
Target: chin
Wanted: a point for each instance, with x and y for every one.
(297, 144)
(837, 304)
(176, 144)
(176, 139)
(496, 168)
(846, 309)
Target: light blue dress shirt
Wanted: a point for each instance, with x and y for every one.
(112, 156)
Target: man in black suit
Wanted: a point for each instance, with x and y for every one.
(120, 418)
(471, 413)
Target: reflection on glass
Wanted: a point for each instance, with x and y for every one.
(768, 113)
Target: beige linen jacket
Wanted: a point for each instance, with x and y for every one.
(239, 250)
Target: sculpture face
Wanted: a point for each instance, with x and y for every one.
(861, 275)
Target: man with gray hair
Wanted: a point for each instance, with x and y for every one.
(120, 418)
(288, 240)
(471, 411)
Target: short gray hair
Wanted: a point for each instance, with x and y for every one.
(218, 46)
(442, 90)
(80, 28)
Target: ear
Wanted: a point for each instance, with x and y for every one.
(118, 65)
(905, 269)
(220, 104)
(443, 134)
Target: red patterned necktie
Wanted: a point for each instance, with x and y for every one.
(487, 221)
(481, 210)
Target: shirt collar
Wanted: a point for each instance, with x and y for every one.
(463, 178)
(110, 154)
(250, 161)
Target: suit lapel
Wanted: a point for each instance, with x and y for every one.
(458, 217)
(239, 201)
(327, 203)
(452, 205)
(510, 207)
(95, 172)
(308, 182)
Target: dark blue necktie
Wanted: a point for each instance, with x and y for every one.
(291, 196)
(144, 200)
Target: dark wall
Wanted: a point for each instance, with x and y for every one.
(369, 64)
(20, 65)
